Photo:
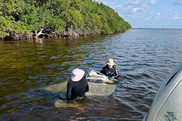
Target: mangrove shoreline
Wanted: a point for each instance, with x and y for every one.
(24, 19)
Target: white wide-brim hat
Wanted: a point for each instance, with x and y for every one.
(77, 74)
(111, 62)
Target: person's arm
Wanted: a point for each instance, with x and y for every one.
(87, 88)
(103, 70)
(68, 94)
(115, 72)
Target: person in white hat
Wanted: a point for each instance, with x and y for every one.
(110, 69)
(78, 85)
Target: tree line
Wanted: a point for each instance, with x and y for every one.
(24, 19)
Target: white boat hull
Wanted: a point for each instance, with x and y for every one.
(167, 104)
(94, 76)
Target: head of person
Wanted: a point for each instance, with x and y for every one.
(111, 63)
(77, 74)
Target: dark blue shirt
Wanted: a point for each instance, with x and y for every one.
(109, 71)
(77, 89)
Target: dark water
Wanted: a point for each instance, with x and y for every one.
(145, 57)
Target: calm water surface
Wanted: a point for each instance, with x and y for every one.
(145, 57)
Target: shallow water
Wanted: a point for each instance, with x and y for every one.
(145, 57)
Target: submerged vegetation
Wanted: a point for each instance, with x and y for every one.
(27, 19)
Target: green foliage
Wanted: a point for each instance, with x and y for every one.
(9, 15)
(93, 22)
(5, 23)
(56, 24)
(74, 17)
(22, 16)
(57, 6)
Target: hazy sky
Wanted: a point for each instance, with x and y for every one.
(148, 13)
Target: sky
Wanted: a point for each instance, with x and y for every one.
(148, 13)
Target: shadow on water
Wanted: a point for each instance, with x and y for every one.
(144, 56)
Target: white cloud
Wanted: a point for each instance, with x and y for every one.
(158, 15)
(153, 1)
(178, 2)
(168, 15)
(144, 13)
(176, 16)
(131, 8)
(134, 8)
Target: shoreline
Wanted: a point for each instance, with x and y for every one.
(47, 35)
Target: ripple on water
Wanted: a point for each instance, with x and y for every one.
(144, 58)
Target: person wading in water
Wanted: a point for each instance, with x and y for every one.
(110, 69)
(77, 86)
